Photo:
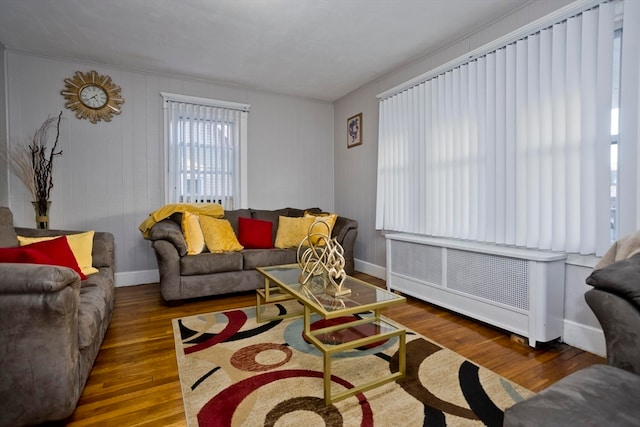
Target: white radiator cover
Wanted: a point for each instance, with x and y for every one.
(518, 290)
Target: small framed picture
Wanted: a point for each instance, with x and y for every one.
(354, 130)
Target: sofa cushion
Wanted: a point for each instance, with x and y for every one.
(8, 237)
(599, 395)
(291, 231)
(255, 233)
(266, 257)
(271, 216)
(96, 304)
(208, 263)
(219, 235)
(232, 217)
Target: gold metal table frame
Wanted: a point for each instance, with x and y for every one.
(281, 284)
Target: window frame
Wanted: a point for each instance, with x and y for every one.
(241, 200)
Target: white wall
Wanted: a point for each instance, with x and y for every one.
(110, 174)
(355, 194)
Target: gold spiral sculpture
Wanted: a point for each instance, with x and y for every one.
(321, 260)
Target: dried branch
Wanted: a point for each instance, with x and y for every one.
(33, 165)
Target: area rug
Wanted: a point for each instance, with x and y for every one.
(235, 372)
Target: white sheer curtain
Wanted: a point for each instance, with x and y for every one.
(509, 148)
(204, 140)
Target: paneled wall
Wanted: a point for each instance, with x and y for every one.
(110, 176)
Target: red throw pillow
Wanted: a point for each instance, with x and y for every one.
(255, 233)
(59, 252)
(24, 255)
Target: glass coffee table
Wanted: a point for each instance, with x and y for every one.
(281, 283)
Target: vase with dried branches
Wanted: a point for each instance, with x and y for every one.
(33, 165)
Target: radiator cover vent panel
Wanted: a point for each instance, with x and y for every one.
(515, 289)
(495, 278)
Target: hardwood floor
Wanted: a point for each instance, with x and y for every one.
(135, 378)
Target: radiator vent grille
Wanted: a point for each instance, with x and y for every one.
(418, 261)
(495, 278)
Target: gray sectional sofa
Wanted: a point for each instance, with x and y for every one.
(52, 325)
(185, 276)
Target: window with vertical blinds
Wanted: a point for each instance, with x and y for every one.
(204, 140)
(511, 147)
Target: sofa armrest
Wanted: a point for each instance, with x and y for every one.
(620, 321)
(345, 231)
(342, 227)
(39, 358)
(103, 254)
(169, 230)
(169, 269)
(16, 279)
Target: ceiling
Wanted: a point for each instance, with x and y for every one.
(320, 49)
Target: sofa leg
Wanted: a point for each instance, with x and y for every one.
(174, 303)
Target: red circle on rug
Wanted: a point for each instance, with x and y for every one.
(245, 358)
(346, 335)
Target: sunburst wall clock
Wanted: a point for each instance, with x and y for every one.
(92, 96)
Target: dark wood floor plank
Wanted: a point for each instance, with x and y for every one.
(135, 378)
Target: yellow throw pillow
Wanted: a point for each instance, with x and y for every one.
(81, 245)
(329, 219)
(219, 235)
(291, 231)
(192, 233)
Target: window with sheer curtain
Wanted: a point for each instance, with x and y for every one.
(509, 147)
(204, 145)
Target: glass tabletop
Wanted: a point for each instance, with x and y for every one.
(362, 297)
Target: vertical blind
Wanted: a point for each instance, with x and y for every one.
(203, 153)
(509, 148)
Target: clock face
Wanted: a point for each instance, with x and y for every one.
(93, 96)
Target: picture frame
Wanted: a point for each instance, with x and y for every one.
(354, 130)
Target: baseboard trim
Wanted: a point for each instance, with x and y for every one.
(132, 278)
(584, 337)
(371, 269)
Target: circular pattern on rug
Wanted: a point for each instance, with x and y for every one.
(293, 336)
(246, 359)
(329, 413)
(219, 410)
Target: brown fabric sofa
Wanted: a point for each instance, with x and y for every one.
(51, 328)
(185, 276)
